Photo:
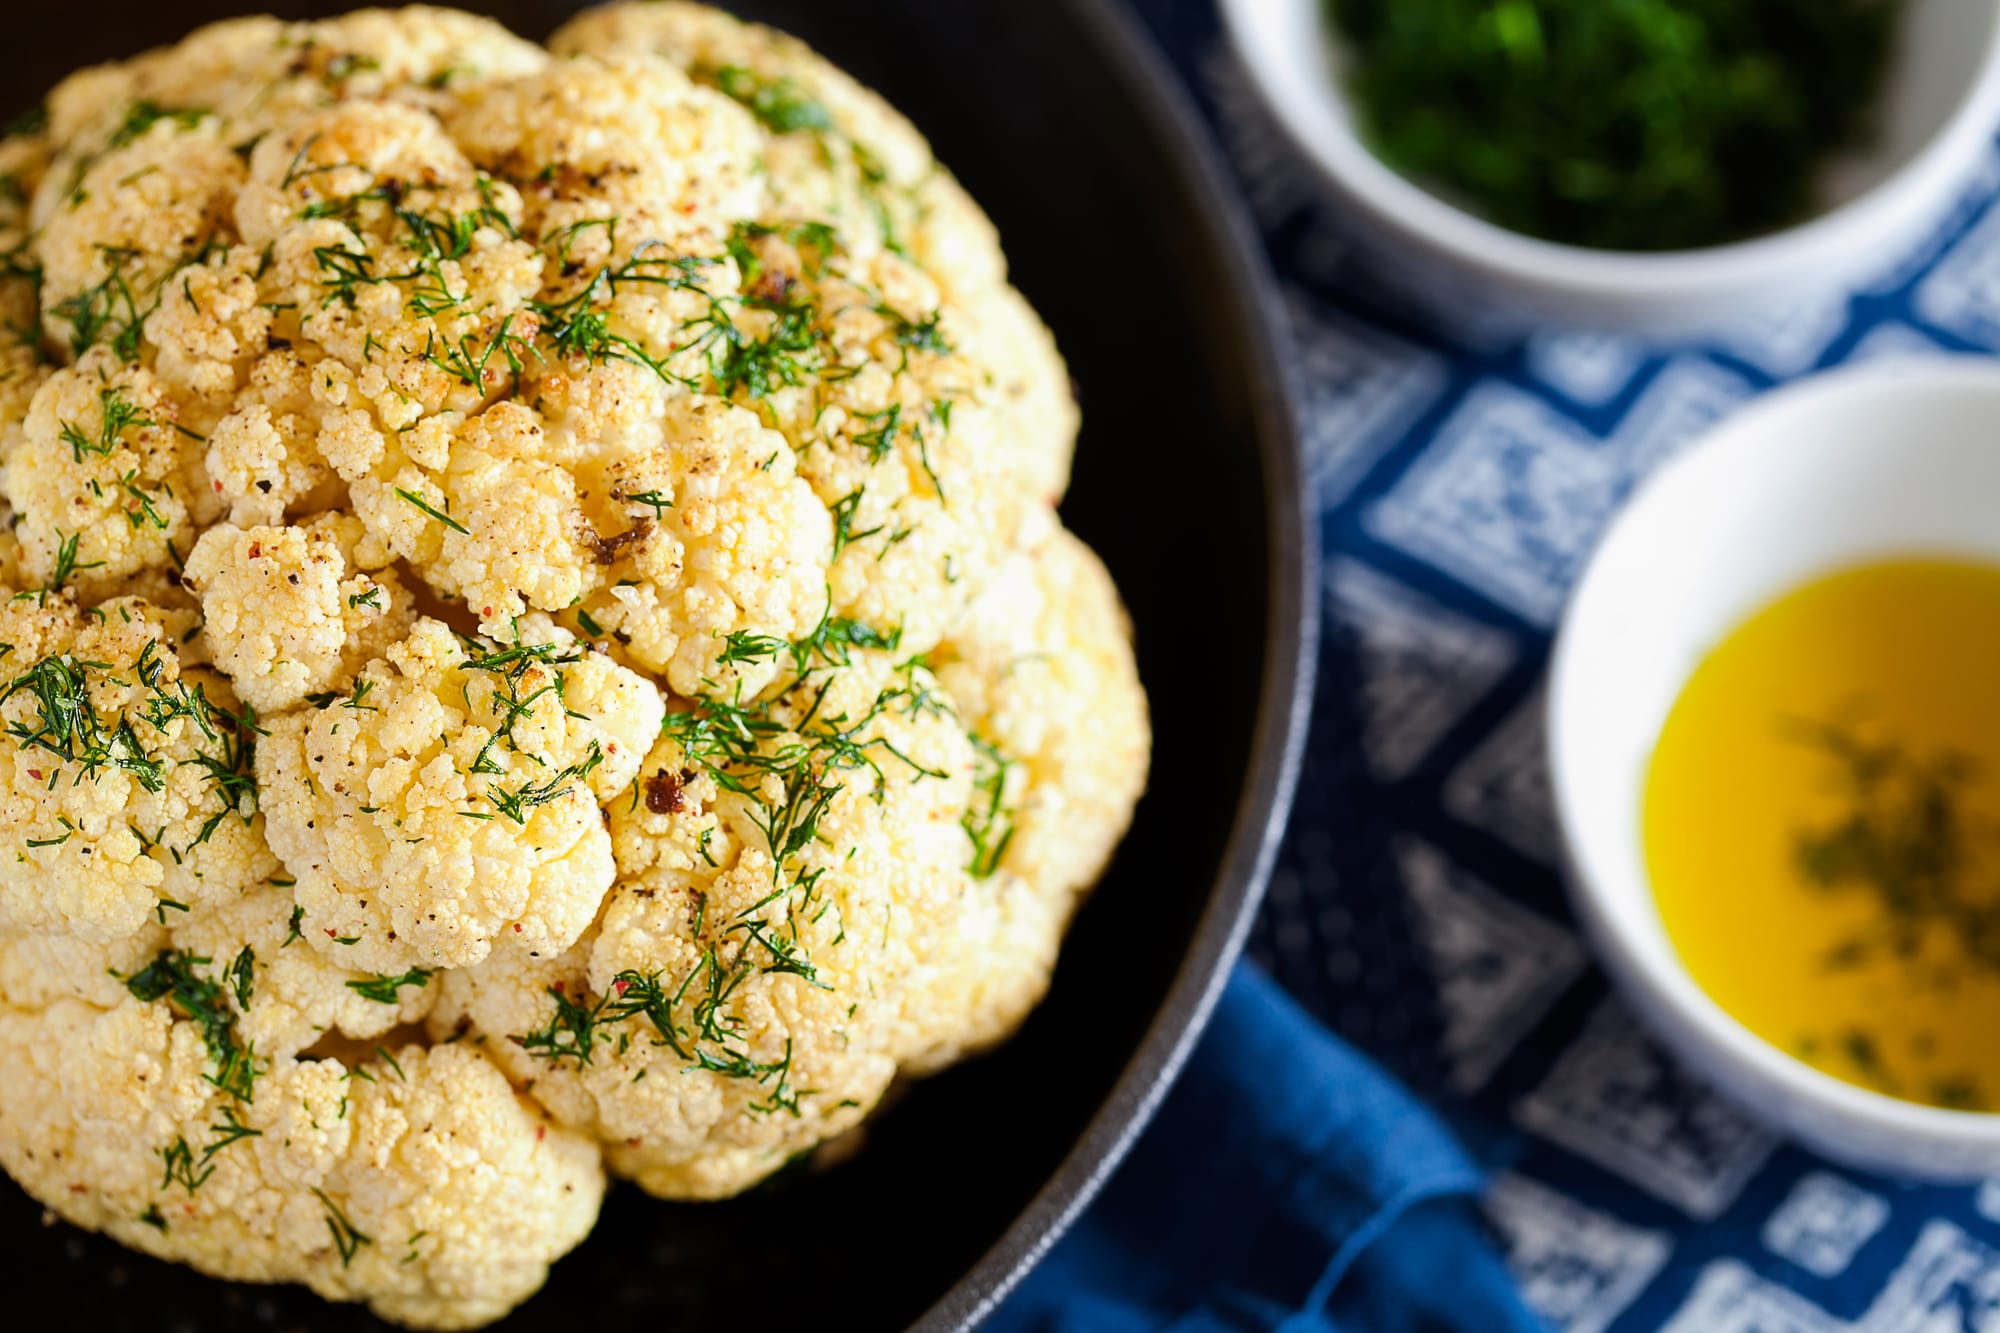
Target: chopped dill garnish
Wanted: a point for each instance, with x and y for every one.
(654, 500)
(987, 821)
(172, 977)
(191, 1171)
(347, 1238)
(438, 514)
(781, 104)
(383, 990)
(516, 803)
(243, 977)
(107, 310)
(844, 534)
(69, 726)
(119, 414)
(180, 1167)
(144, 114)
(31, 121)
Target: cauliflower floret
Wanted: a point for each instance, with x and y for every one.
(139, 210)
(125, 790)
(418, 1181)
(614, 136)
(12, 579)
(1043, 673)
(260, 73)
(839, 154)
(499, 527)
(787, 869)
(37, 970)
(902, 443)
(282, 615)
(837, 151)
(263, 458)
(103, 478)
(290, 996)
(1042, 676)
(720, 537)
(448, 805)
(394, 257)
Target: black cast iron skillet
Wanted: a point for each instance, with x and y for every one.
(1061, 120)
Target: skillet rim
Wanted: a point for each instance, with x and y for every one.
(1291, 640)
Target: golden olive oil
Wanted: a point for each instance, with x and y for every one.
(1822, 827)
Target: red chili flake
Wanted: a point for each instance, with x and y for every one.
(256, 549)
(517, 927)
(541, 1132)
(557, 988)
(333, 935)
(35, 773)
(621, 985)
(486, 612)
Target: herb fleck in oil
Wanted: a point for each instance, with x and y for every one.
(1822, 827)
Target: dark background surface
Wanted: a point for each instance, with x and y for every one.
(1168, 488)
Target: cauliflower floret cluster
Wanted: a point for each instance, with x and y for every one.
(534, 639)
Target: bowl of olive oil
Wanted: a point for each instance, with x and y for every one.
(1774, 739)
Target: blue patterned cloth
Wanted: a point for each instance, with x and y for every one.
(1463, 476)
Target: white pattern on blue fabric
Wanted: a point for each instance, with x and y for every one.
(1894, 339)
(1511, 494)
(1503, 785)
(1589, 367)
(1422, 667)
(1962, 294)
(1578, 1268)
(1823, 1222)
(1948, 1283)
(1790, 340)
(1361, 390)
(1617, 1099)
(1730, 1298)
(1497, 967)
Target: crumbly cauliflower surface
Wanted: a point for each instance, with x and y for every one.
(535, 643)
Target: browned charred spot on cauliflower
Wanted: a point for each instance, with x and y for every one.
(533, 637)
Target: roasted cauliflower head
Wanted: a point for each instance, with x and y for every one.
(535, 640)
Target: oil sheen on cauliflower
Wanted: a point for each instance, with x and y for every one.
(535, 641)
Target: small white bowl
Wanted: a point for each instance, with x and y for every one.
(1883, 459)
(1940, 105)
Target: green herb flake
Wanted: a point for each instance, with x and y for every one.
(383, 990)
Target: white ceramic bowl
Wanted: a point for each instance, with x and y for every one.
(1940, 107)
(1889, 458)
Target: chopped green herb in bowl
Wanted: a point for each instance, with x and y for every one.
(1618, 124)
